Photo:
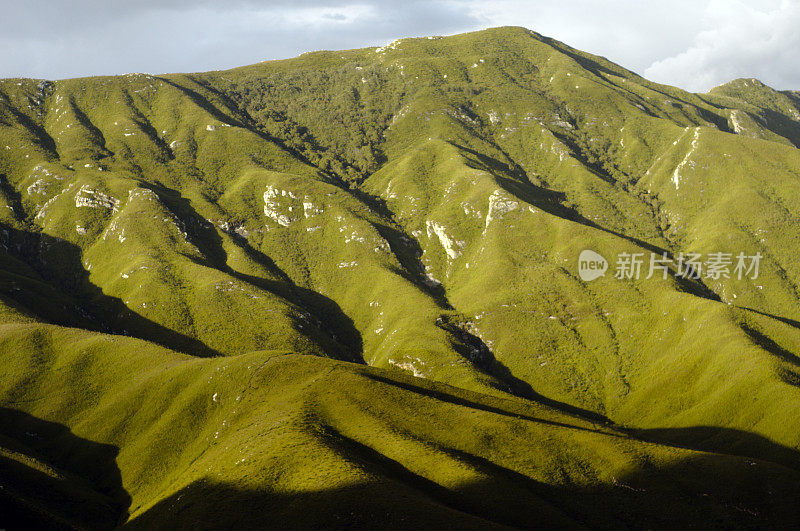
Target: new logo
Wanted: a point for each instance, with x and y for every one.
(591, 265)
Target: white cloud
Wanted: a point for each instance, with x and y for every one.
(739, 41)
(631, 33)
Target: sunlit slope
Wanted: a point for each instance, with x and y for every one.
(419, 206)
(178, 249)
(275, 437)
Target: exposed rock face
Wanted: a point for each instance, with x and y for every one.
(272, 205)
(310, 209)
(451, 246)
(86, 197)
(676, 175)
(736, 122)
(39, 187)
(499, 204)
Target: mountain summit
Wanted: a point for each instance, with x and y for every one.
(344, 290)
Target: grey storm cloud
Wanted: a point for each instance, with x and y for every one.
(89, 37)
(694, 44)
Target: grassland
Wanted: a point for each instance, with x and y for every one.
(341, 290)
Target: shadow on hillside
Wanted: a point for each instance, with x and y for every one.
(473, 348)
(42, 137)
(603, 73)
(737, 480)
(58, 265)
(198, 230)
(95, 134)
(781, 125)
(523, 389)
(701, 438)
(773, 121)
(552, 202)
(723, 441)
(62, 482)
(791, 322)
(203, 102)
(406, 249)
(702, 491)
(770, 346)
(787, 375)
(336, 331)
(452, 398)
(331, 321)
(12, 196)
(147, 127)
(245, 121)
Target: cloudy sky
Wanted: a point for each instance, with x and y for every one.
(694, 44)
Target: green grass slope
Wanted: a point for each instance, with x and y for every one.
(376, 251)
(275, 438)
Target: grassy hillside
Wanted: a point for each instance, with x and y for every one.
(275, 438)
(343, 289)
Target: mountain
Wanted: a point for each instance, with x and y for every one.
(343, 290)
